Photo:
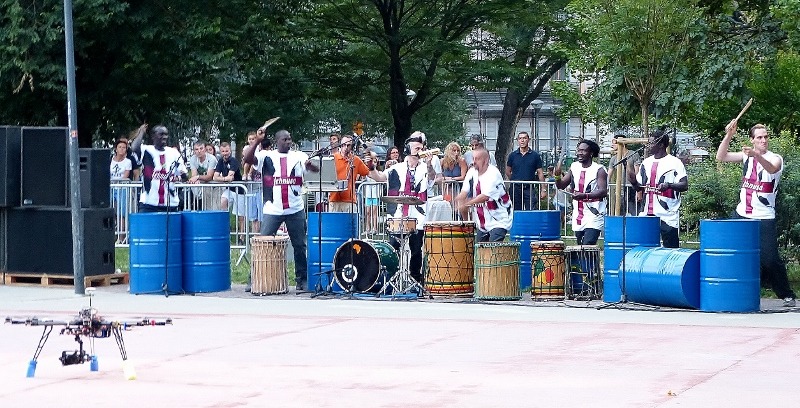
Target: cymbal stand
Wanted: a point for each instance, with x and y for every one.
(402, 282)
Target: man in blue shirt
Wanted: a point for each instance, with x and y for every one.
(523, 166)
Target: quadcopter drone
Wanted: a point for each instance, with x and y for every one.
(90, 325)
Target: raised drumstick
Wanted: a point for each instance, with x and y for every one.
(746, 107)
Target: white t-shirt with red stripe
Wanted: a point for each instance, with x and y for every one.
(405, 181)
(586, 213)
(155, 165)
(282, 180)
(662, 204)
(495, 213)
(759, 188)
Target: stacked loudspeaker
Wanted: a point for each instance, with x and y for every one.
(35, 204)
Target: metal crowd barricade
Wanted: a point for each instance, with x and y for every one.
(194, 197)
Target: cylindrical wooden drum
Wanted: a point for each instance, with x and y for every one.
(584, 279)
(449, 248)
(497, 271)
(268, 265)
(547, 268)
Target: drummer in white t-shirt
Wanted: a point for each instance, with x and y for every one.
(282, 182)
(484, 192)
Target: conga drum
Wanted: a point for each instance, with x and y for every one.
(497, 271)
(584, 280)
(547, 268)
(449, 249)
(268, 265)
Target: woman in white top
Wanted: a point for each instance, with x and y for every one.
(120, 170)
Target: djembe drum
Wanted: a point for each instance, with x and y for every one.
(268, 265)
(449, 249)
(584, 280)
(497, 271)
(547, 267)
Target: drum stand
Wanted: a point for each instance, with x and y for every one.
(402, 282)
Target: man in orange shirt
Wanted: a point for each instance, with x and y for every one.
(348, 167)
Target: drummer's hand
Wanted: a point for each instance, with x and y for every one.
(261, 133)
(730, 128)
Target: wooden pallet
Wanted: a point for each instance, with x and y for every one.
(37, 279)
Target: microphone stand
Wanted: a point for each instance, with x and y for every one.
(318, 289)
(167, 186)
(623, 299)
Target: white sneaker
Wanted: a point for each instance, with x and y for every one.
(789, 302)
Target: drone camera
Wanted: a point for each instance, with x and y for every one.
(73, 357)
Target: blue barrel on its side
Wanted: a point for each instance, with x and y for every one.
(156, 256)
(206, 251)
(663, 276)
(730, 268)
(530, 226)
(324, 240)
(639, 231)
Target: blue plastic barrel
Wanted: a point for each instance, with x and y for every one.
(206, 251)
(530, 226)
(335, 230)
(663, 276)
(156, 256)
(639, 231)
(730, 265)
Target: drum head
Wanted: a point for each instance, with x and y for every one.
(357, 266)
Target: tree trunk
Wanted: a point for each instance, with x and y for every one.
(645, 120)
(506, 128)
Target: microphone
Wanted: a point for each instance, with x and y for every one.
(425, 153)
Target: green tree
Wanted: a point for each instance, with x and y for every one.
(523, 47)
(390, 47)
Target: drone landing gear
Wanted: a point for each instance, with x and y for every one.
(32, 365)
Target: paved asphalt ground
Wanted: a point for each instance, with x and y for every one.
(231, 349)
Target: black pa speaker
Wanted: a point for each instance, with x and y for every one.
(44, 166)
(95, 177)
(9, 166)
(39, 240)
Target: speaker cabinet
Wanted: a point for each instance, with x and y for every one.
(44, 166)
(95, 177)
(9, 166)
(40, 241)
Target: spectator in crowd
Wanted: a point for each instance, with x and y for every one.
(228, 170)
(120, 171)
(454, 169)
(136, 163)
(348, 167)
(589, 182)
(372, 193)
(162, 166)
(762, 174)
(282, 174)
(476, 141)
(524, 166)
(392, 157)
(202, 166)
(212, 150)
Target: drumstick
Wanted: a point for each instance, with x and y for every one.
(746, 107)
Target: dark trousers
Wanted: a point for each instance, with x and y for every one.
(147, 208)
(298, 231)
(415, 245)
(773, 269)
(588, 236)
(495, 235)
(669, 236)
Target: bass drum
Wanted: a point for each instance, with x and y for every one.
(359, 264)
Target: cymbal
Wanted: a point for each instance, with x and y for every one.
(407, 200)
(270, 122)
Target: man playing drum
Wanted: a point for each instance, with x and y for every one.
(412, 177)
(589, 182)
(485, 192)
